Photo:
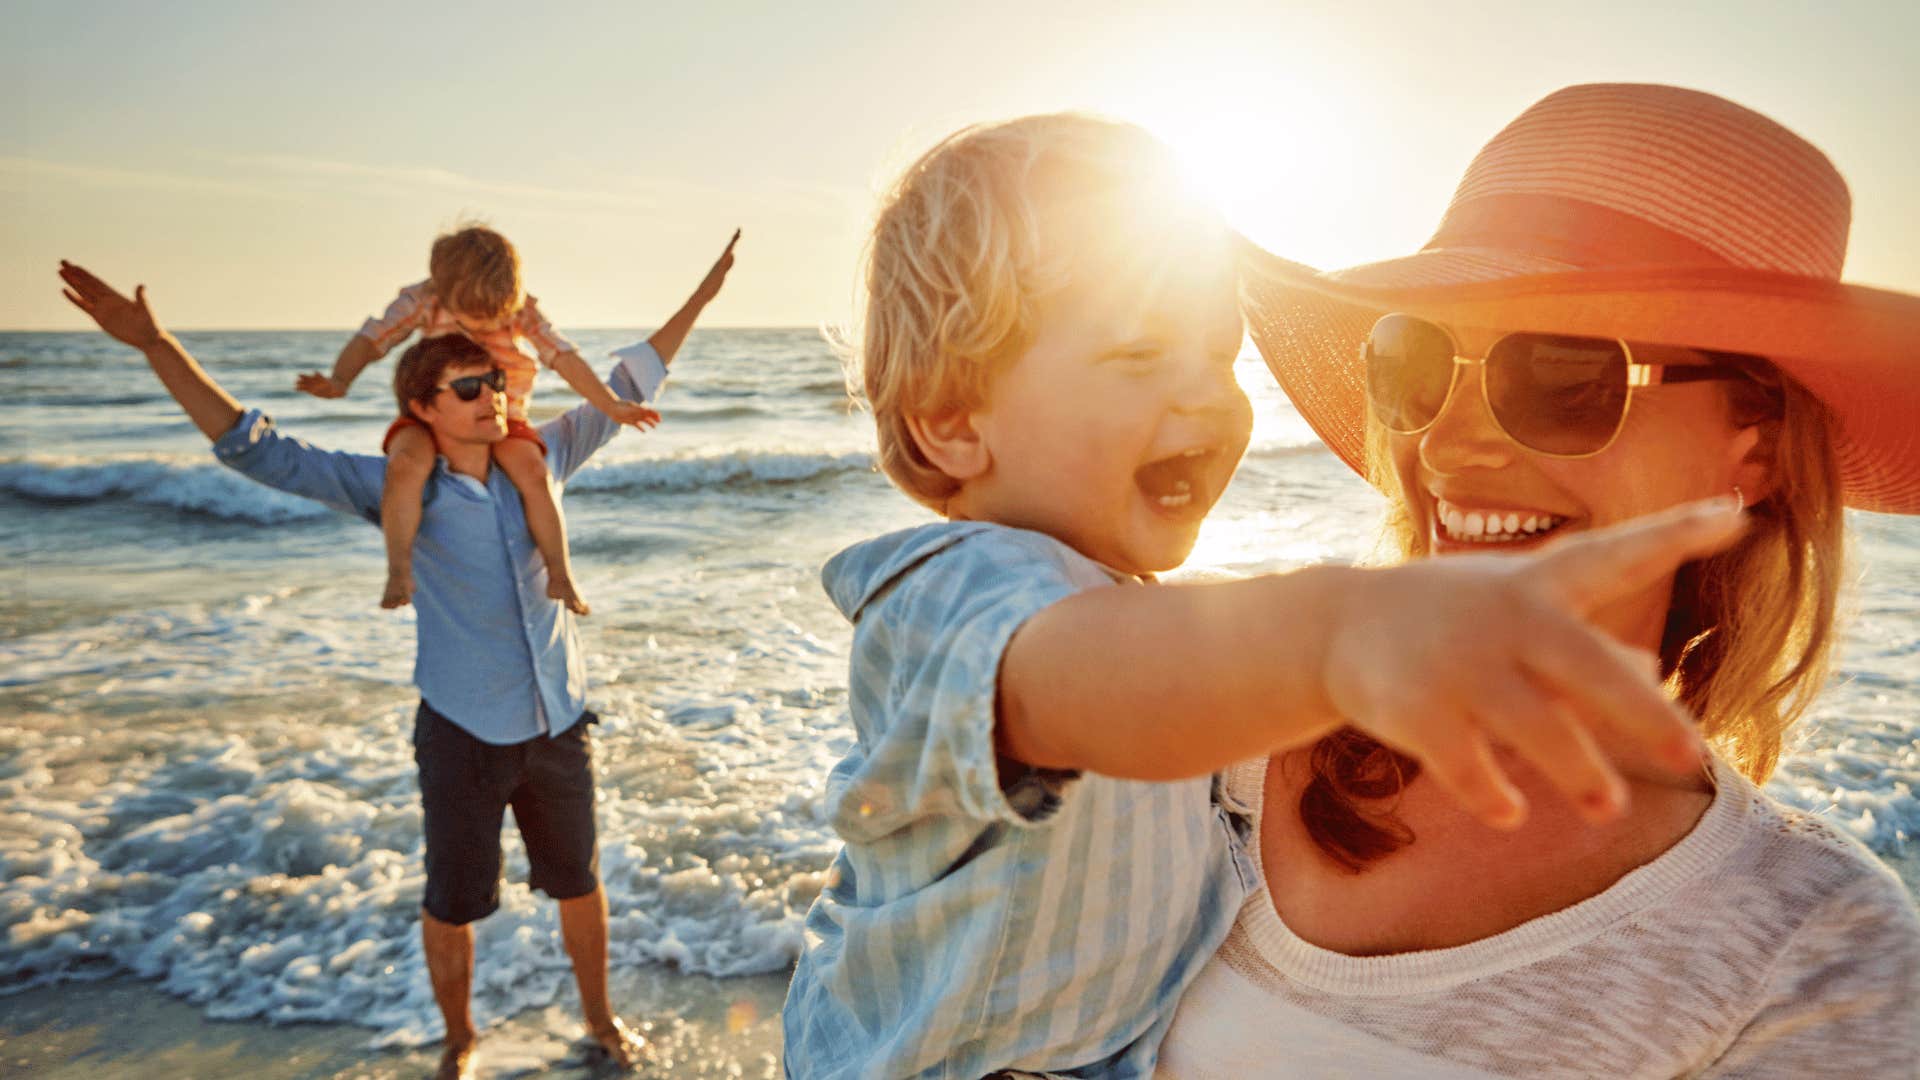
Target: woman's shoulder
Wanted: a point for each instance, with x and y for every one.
(1796, 843)
(1841, 937)
(1819, 878)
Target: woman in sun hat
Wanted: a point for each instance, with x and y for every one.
(1633, 301)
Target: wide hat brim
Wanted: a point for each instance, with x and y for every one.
(1854, 347)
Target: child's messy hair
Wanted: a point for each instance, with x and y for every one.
(475, 272)
(956, 262)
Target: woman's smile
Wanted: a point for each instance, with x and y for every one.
(1468, 524)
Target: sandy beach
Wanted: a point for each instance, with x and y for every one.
(124, 1027)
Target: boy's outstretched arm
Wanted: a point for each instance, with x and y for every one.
(569, 366)
(131, 322)
(588, 385)
(1438, 659)
(673, 333)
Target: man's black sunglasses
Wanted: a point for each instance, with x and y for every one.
(467, 387)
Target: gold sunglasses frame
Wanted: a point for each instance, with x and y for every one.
(1639, 376)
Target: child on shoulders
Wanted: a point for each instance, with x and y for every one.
(474, 288)
(1037, 861)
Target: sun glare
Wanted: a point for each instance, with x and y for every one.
(1253, 142)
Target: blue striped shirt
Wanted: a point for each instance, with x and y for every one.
(975, 921)
(494, 654)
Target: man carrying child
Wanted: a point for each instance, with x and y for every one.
(502, 719)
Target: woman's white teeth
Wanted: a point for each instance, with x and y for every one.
(1490, 527)
(1180, 499)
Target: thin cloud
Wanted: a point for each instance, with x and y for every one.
(411, 179)
(33, 171)
(614, 192)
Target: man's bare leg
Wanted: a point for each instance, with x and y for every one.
(583, 926)
(449, 950)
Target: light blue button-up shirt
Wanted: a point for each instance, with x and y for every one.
(977, 919)
(494, 654)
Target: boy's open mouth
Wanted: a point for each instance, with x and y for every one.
(1177, 481)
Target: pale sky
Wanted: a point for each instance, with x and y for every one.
(276, 165)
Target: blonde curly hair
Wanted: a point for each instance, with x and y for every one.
(967, 240)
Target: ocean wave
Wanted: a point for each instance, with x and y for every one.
(1285, 451)
(738, 469)
(277, 876)
(216, 491)
(208, 489)
(724, 412)
(829, 387)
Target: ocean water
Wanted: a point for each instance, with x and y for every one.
(205, 776)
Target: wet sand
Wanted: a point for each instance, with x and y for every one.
(125, 1027)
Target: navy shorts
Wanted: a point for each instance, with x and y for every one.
(466, 785)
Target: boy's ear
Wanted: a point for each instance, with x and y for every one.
(420, 410)
(951, 443)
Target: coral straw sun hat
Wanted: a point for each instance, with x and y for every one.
(1648, 213)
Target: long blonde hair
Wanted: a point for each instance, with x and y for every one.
(1749, 632)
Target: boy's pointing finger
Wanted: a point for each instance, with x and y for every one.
(1597, 567)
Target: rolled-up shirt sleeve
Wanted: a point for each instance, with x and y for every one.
(349, 483)
(575, 435)
(941, 636)
(402, 317)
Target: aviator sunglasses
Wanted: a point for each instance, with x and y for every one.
(467, 387)
(1555, 394)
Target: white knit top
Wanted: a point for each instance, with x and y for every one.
(1764, 944)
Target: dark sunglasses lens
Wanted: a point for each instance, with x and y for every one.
(1558, 394)
(1409, 369)
(467, 387)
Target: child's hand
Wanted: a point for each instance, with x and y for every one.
(1443, 657)
(321, 386)
(629, 412)
(130, 322)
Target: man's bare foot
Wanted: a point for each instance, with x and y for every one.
(625, 1048)
(560, 587)
(399, 590)
(456, 1061)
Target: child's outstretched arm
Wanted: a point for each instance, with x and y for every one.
(1437, 658)
(589, 385)
(371, 342)
(353, 359)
